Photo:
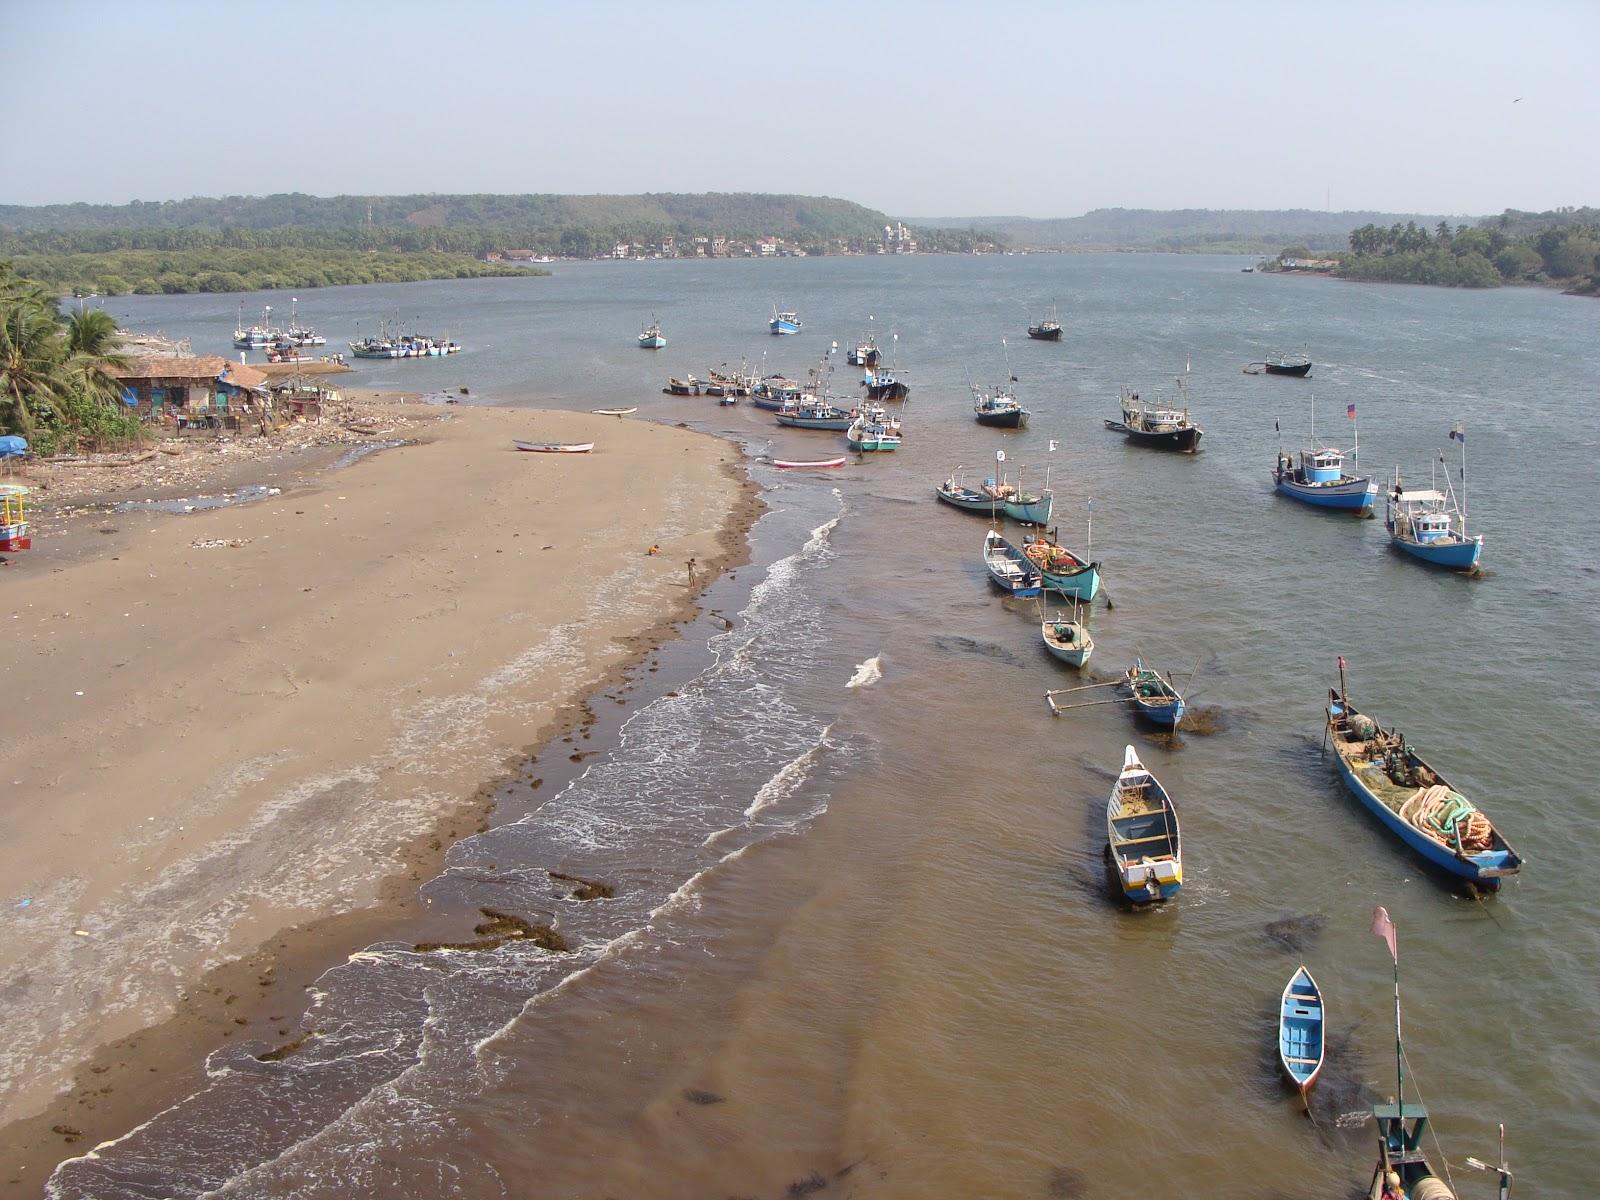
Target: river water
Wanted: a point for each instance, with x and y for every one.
(862, 941)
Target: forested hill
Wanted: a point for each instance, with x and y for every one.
(1191, 229)
(732, 214)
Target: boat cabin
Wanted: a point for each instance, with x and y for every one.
(1421, 516)
(1315, 466)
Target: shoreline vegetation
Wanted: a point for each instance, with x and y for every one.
(1560, 249)
(202, 912)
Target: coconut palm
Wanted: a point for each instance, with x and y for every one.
(92, 343)
(32, 379)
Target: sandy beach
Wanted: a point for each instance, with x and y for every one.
(231, 724)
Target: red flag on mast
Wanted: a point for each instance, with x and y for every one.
(1384, 928)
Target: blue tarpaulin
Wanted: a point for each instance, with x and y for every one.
(13, 447)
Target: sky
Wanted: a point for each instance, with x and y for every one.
(918, 109)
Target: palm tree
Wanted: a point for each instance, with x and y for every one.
(92, 343)
(31, 351)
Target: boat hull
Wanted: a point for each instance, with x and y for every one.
(1003, 420)
(783, 327)
(1355, 495)
(873, 443)
(831, 424)
(1075, 653)
(893, 390)
(1008, 568)
(1301, 1022)
(652, 343)
(1143, 840)
(1183, 441)
(1452, 555)
(1044, 335)
(1298, 370)
(1034, 512)
(1084, 584)
(972, 502)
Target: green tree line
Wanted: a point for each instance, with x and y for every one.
(1561, 246)
(56, 389)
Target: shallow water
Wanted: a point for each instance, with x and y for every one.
(862, 940)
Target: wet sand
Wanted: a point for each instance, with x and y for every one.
(241, 736)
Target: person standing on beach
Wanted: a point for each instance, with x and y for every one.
(691, 572)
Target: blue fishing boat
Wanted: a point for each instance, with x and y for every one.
(1316, 476)
(650, 338)
(1063, 571)
(1429, 525)
(784, 322)
(1413, 801)
(1301, 1047)
(1009, 569)
(1153, 694)
(1142, 831)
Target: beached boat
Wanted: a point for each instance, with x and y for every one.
(1009, 569)
(812, 412)
(1048, 329)
(682, 387)
(1142, 831)
(784, 322)
(1063, 571)
(1159, 428)
(1316, 476)
(1413, 801)
(1301, 1046)
(287, 352)
(14, 533)
(1279, 363)
(1154, 696)
(818, 463)
(1429, 525)
(554, 447)
(650, 337)
(733, 383)
(1067, 640)
(614, 412)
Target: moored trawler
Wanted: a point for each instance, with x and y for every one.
(1159, 428)
(998, 407)
(1047, 330)
(650, 338)
(405, 345)
(784, 322)
(1279, 363)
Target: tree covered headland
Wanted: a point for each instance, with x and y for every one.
(1562, 246)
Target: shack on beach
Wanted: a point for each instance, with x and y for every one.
(183, 388)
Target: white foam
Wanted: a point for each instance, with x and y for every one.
(789, 777)
(867, 673)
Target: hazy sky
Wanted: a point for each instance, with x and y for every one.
(920, 109)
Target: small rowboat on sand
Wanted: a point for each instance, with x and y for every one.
(554, 447)
(818, 463)
(1300, 1025)
(614, 412)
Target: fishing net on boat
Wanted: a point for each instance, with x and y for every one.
(1449, 816)
(1364, 727)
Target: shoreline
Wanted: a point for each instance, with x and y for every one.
(257, 992)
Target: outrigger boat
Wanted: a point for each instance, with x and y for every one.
(554, 447)
(1152, 694)
(1142, 833)
(1009, 569)
(1159, 428)
(1430, 525)
(14, 518)
(1068, 641)
(1316, 476)
(1412, 800)
(1301, 1044)
(784, 322)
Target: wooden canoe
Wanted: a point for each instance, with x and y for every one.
(1301, 1045)
(554, 447)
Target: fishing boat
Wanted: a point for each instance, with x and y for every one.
(614, 412)
(815, 464)
(298, 334)
(885, 385)
(287, 352)
(1413, 801)
(1067, 640)
(1063, 571)
(1428, 524)
(864, 353)
(255, 337)
(1159, 428)
(376, 347)
(1009, 569)
(872, 431)
(1316, 475)
(1142, 831)
(784, 322)
(775, 392)
(957, 494)
(682, 387)
(1048, 329)
(813, 412)
(1279, 363)
(998, 407)
(650, 337)
(14, 533)
(1153, 694)
(1030, 509)
(1301, 1046)
(554, 447)
(733, 383)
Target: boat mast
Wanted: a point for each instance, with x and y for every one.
(1384, 928)
(1460, 435)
